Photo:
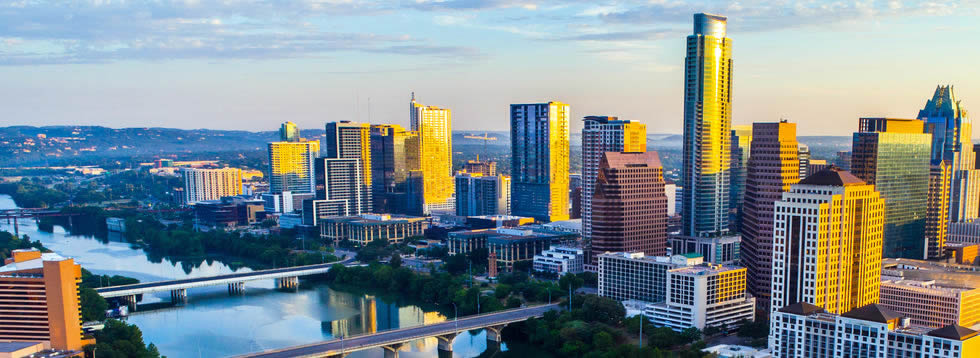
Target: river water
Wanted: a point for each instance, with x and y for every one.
(213, 323)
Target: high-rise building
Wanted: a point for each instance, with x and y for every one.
(827, 243)
(339, 188)
(893, 155)
(671, 191)
(952, 132)
(394, 157)
(349, 140)
(773, 166)
(707, 154)
(630, 204)
(211, 184)
(479, 195)
(602, 134)
(435, 131)
(487, 168)
(707, 128)
(40, 300)
(843, 160)
(741, 147)
(539, 161)
(803, 330)
(289, 132)
(291, 166)
(804, 162)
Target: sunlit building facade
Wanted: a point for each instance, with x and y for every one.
(394, 159)
(434, 128)
(893, 155)
(772, 167)
(705, 295)
(827, 243)
(210, 184)
(291, 166)
(951, 129)
(540, 160)
(289, 132)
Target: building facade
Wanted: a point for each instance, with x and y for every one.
(350, 140)
(807, 331)
(394, 158)
(289, 132)
(741, 147)
(945, 118)
(772, 168)
(41, 300)
(893, 155)
(627, 276)
(339, 181)
(931, 303)
(630, 205)
(509, 245)
(365, 228)
(479, 195)
(937, 208)
(803, 153)
(291, 166)
(540, 160)
(705, 295)
(560, 260)
(435, 135)
(827, 243)
(211, 184)
(601, 134)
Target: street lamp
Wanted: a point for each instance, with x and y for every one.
(456, 317)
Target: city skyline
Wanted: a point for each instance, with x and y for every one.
(311, 63)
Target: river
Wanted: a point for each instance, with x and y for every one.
(213, 323)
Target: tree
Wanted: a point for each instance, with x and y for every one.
(93, 305)
(456, 264)
(396, 260)
(602, 341)
(602, 309)
(570, 280)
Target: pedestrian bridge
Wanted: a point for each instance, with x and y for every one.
(285, 278)
(392, 341)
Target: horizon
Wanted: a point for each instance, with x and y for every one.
(237, 66)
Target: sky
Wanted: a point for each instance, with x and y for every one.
(251, 65)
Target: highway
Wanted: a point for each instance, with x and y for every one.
(402, 335)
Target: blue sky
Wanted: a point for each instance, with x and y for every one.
(252, 64)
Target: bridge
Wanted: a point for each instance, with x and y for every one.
(33, 213)
(392, 341)
(285, 278)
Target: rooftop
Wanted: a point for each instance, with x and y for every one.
(874, 313)
(954, 331)
(32, 264)
(801, 308)
(832, 176)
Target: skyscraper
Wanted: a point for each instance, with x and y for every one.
(349, 140)
(289, 132)
(804, 165)
(951, 129)
(937, 210)
(741, 147)
(339, 187)
(478, 194)
(773, 166)
(827, 243)
(211, 184)
(435, 131)
(603, 134)
(630, 205)
(394, 157)
(893, 155)
(291, 166)
(539, 161)
(707, 144)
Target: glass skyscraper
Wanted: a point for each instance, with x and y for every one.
(707, 128)
(435, 133)
(539, 162)
(893, 155)
(951, 129)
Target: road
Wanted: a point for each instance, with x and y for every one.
(378, 339)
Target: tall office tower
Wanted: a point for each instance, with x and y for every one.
(40, 300)
(603, 134)
(804, 164)
(486, 168)
(339, 188)
(435, 131)
(291, 166)
(539, 161)
(211, 184)
(707, 143)
(773, 166)
(479, 195)
(893, 155)
(630, 205)
(937, 209)
(843, 160)
(394, 155)
(827, 243)
(951, 129)
(741, 146)
(289, 132)
(349, 140)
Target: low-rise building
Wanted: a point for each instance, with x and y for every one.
(627, 276)
(365, 228)
(228, 212)
(703, 295)
(931, 303)
(560, 260)
(495, 221)
(968, 232)
(511, 245)
(965, 253)
(802, 330)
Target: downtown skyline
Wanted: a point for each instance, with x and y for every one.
(235, 67)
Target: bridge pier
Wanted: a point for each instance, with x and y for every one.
(130, 302)
(178, 296)
(391, 351)
(287, 282)
(446, 342)
(237, 288)
(493, 333)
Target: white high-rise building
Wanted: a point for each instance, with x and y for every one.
(211, 184)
